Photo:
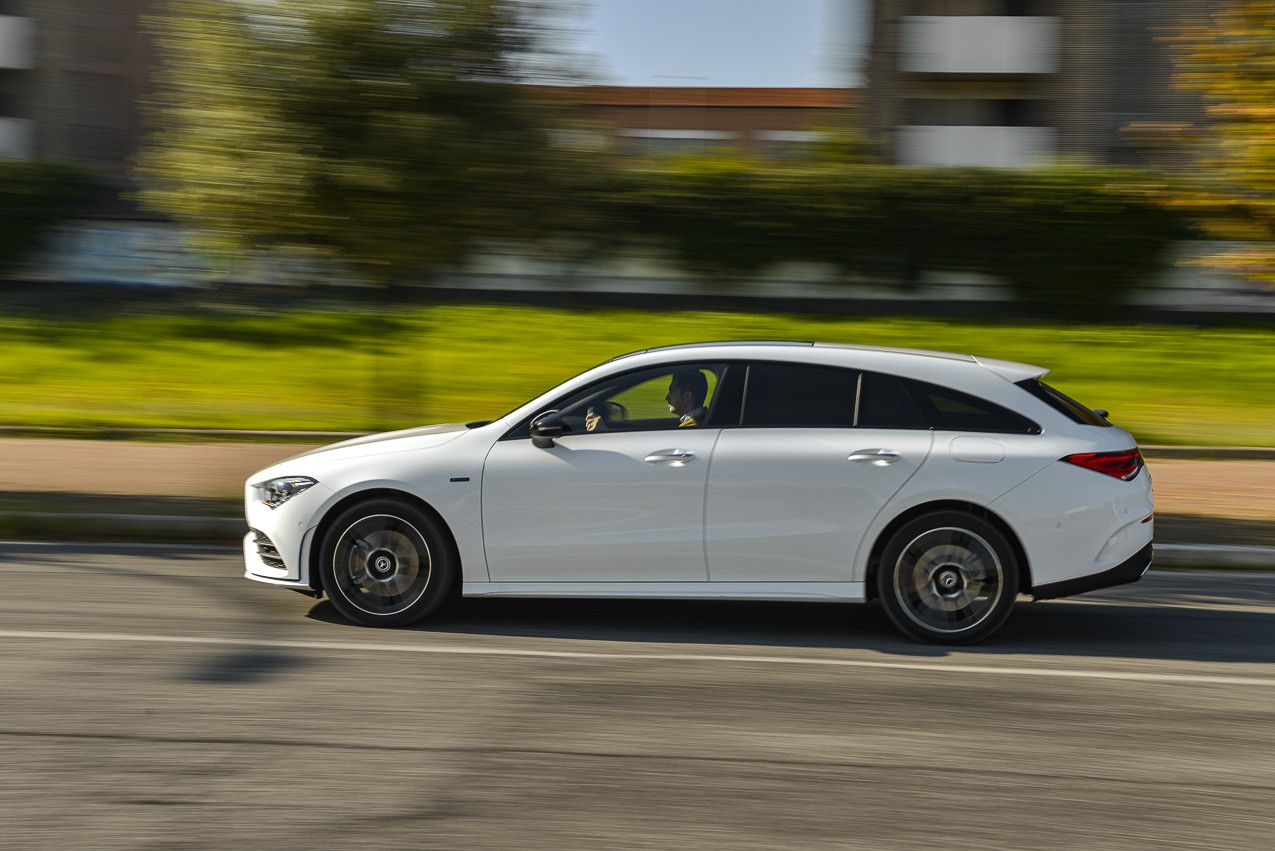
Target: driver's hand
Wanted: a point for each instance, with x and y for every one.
(591, 420)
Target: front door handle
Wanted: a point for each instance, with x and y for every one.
(876, 457)
(672, 457)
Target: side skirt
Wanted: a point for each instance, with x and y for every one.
(849, 592)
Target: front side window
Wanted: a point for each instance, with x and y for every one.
(664, 398)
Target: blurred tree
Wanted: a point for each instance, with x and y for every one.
(842, 143)
(1230, 60)
(391, 136)
(388, 134)
(714, 212)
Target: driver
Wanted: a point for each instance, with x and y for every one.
(686, 392)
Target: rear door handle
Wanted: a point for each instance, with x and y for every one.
(672, 457)
(876, 457)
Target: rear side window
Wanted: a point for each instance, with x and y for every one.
(799, 395)
(886, 402)
(1062, 403)
(795, 395)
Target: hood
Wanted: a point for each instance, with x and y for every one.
(442, 433)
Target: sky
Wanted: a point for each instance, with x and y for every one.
(724, 42)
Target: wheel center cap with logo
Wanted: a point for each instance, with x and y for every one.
(382, 563)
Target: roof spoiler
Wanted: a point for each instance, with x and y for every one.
(1011, 371)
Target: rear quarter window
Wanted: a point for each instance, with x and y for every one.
(1062, 403)
(889, 401)
(951, 410)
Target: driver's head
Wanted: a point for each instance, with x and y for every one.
(686, 391)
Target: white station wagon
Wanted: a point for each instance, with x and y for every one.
(945, 485)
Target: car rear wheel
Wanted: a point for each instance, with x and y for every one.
(385, 562)
(948, 577)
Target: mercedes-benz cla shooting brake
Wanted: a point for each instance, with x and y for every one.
(944, 485)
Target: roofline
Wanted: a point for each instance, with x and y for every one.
(788, 343)
(710, 96)
(1009, 370)
(709, 344)
(900, 350)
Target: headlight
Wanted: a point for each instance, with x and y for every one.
(276, 492)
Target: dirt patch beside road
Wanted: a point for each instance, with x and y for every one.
(1243, 490)
(133, 468)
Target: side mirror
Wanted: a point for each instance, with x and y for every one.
(545, 427)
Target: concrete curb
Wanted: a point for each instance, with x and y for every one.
(166, 528)
(1214, 555)
(170, 528)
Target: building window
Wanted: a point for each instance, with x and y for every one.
(789, 144)
(672, 142)
(979, 8)
(974, 112)
(1020, 8)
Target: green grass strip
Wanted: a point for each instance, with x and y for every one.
(360, 370)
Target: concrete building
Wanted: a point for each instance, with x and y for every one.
(72, 76)
(1007, 82)
(17, 59)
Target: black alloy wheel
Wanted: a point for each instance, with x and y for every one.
(948, 578)
(385, 562)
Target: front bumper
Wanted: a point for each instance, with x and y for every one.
(257, 569)
(274, 549)
(1129, 570)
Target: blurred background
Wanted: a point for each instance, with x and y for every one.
(352, 215)
(232, 230)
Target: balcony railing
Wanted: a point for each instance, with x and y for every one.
(974, 146)
(937, 44)
(17, 42)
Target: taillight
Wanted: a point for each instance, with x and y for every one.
(1121, 465)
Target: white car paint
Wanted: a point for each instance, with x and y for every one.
(788, 504)
(592, 508)
(744, 513)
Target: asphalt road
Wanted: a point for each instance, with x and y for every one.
(153, 699)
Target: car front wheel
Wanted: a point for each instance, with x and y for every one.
(384, 562)
(948, 578)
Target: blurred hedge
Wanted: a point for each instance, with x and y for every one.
(34, 196)
(1067, 241)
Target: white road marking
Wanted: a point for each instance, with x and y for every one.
(340, 646)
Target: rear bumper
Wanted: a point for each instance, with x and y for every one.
(1129, 570)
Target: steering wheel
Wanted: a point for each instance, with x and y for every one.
(609, 412)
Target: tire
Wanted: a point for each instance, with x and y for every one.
(948, 578)
(384, 562)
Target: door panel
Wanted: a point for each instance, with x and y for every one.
(593, 508)
(789, 504)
